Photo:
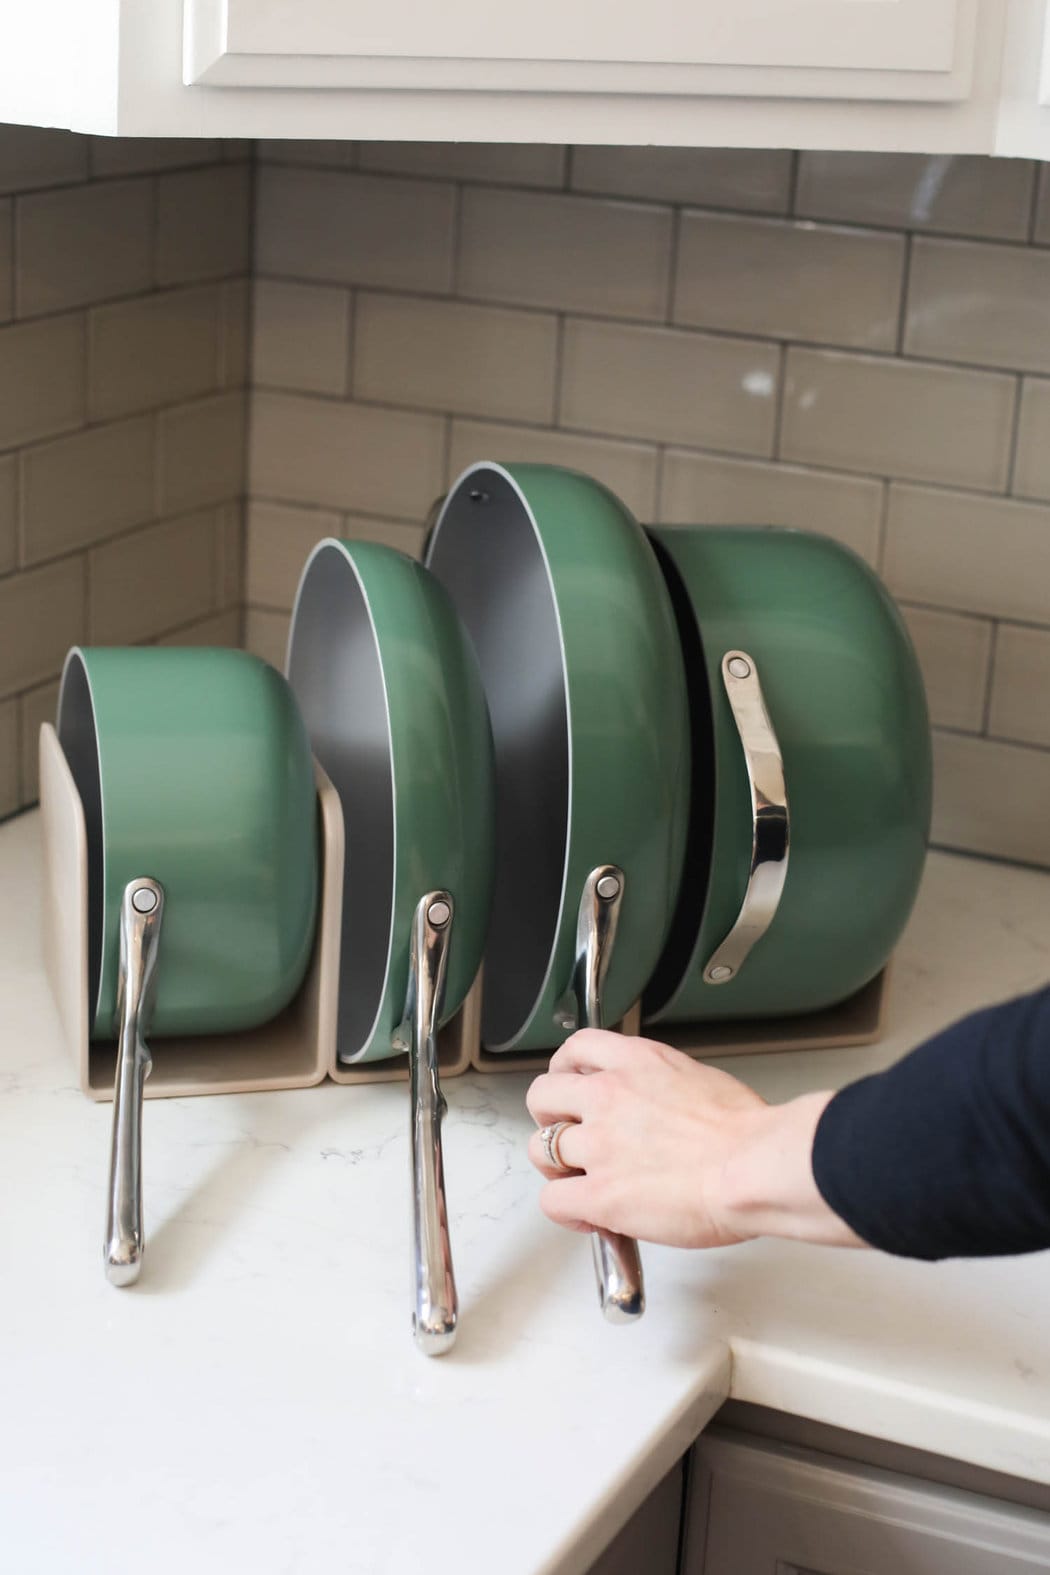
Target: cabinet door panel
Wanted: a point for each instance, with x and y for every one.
(898, 35)
(840, 48)
(771, 1508)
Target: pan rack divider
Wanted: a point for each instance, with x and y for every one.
(298, 1048)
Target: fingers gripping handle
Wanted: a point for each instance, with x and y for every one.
(617, 1262)
(141, 911)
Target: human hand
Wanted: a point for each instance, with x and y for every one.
(666, 1149)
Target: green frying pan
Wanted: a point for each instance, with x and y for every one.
(576, 639)
(389, 688)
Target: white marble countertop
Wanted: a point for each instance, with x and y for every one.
(256, 1402)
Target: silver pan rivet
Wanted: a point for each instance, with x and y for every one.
(144, 900)
(738, 667)
(608, 887)
(719, 972)
(439, 914)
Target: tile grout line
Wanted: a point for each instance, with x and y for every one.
(989, 685)
(674, 255)
(659, 480)
(559, 371)
(772, 211)
(758, 456)
(350, 370)
(819, 347)
(781, 401)
(456, 254)
(884, 528)
(905, 287)
(1033, 203)
(793, 180)
(1015, 438)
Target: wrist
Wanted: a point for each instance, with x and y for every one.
(766, 1184)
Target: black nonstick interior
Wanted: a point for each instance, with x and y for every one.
(335, 672)
(696, 870)
(75, 726)
(487, 553)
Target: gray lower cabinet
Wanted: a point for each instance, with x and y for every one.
(648, 1544)
(758, 1508)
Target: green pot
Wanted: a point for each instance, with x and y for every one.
(390, 692)
(841, 826)
(575, 634)
(194, 769)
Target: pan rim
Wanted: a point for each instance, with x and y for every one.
(494, 467)
(76, 661)
(337, 545)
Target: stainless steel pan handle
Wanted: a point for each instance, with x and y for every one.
(771, 827)
(436, 1308)
(617, 1263)
(141, 911)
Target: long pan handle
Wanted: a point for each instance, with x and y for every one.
(617, 1262)
(141, 910)
(436, 1306)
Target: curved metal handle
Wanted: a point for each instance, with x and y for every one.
(141, 911)
(770, 837)
(436, 1305)
(617, 1263)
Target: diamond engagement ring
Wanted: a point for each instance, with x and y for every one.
(550, 1137)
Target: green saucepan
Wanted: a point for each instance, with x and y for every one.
(389, 687)
(575, 633)
(193, 768)
(811, 775)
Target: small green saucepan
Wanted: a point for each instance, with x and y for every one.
(390, 691)
(811, 775)
(194, 771)
(575, 633)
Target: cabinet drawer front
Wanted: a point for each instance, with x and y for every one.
(771, 1507)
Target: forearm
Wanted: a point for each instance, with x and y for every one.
(766, 1185)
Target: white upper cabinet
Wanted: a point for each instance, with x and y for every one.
(926, 75)
(919, 49)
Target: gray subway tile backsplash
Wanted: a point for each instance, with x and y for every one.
(535, 249)
(455, 356)
(786, 279)
(113, 257)
(985, 304)
(898, 418)
(844, 342)
(935, 192)
(748, 180)
(669, 385)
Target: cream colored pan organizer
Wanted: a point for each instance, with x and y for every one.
(295, 1050)
(856, 1021)
(298, 1048)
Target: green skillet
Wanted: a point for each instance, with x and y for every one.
(575, 634)
(390, 692)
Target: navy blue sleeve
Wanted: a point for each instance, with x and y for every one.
(947, 1154)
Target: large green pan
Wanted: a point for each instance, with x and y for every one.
(811, 780)
(576, 638)
(194, 771)
(389, 688)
